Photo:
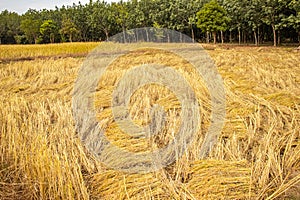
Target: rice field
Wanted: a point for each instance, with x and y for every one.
(257, 155)
(30, 52)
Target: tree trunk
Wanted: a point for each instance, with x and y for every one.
(222, 37)
(207, 37)
(258, 36)
(135, 37)
(124, 33)
(215, 37)
(230, 36)
(147, 35)
(106, 34)
(274, 35)
(181, 37)
(84, 36)
(239, 36)
(52, 38)
(193, 34)
(255, 38)
(278, 37)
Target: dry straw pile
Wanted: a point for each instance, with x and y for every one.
(257, 155)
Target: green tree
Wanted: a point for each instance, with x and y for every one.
(180, 13)
(273, 15)
(141, 13)
(212, 18)
(191, 18)
(80, 14)
(48, 31)
(293, 20)
(102, 18)
(31, 29)
(253, 16)
(68, 29)
(237, 11)
(9, 26)
(121, 15)
(162, 13)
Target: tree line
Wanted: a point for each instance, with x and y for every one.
(242, 21)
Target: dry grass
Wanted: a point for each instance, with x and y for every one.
(30, 51)
(257, 156)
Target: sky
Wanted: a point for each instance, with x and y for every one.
(21, 6)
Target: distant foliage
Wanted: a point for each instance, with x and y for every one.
(242, 21)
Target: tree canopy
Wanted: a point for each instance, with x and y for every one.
(242, 21)
(212, 18)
